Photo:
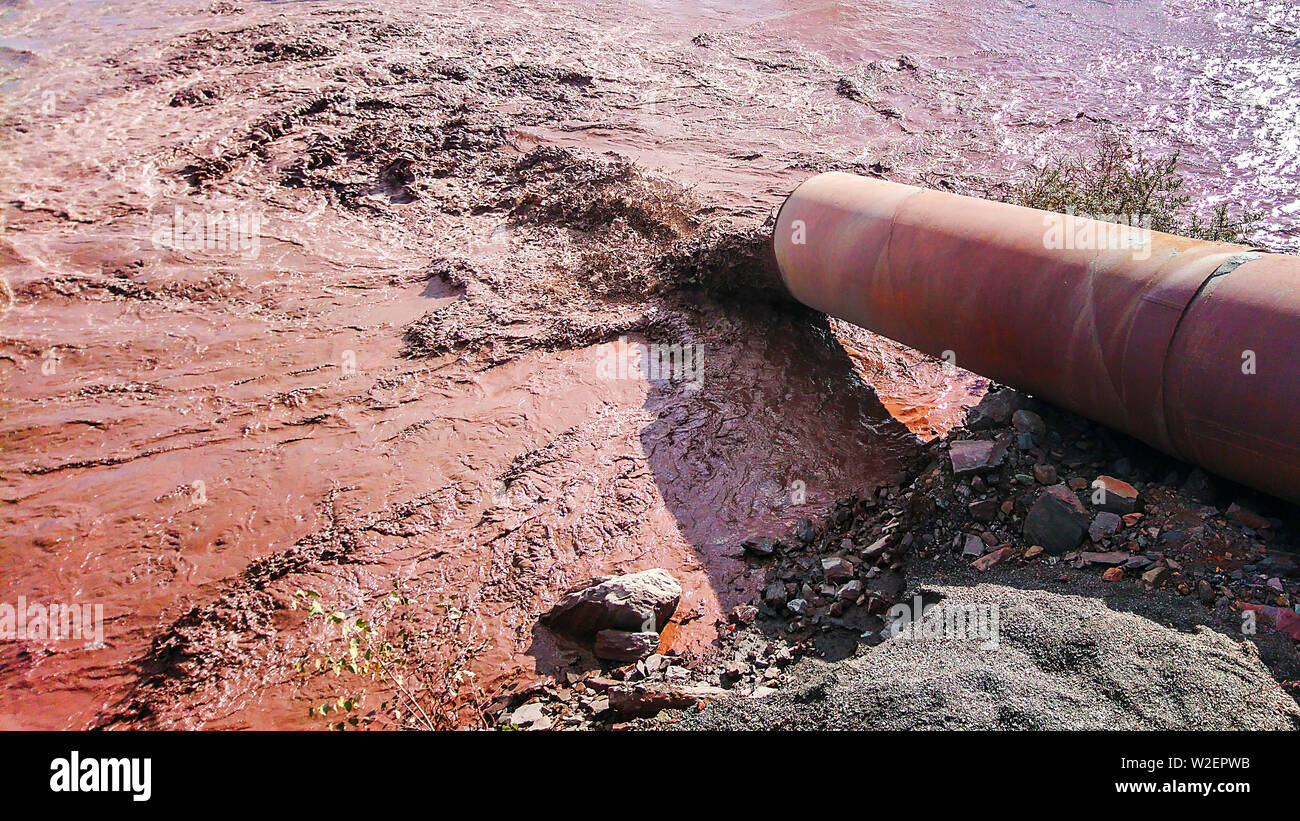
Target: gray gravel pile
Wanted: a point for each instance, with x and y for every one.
(1061, 662)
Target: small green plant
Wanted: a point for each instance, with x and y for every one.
(1118, 180)
(419, 674)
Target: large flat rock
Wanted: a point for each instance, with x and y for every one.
(635, 602)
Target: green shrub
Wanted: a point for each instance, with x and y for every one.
(419, 674)
(1116, 179)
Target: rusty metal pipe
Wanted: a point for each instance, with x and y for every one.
(1190, 346)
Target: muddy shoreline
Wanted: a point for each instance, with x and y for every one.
(393, 349)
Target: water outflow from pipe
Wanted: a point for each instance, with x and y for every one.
(1190, 346)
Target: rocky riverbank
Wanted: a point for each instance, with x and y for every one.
(1159, 600)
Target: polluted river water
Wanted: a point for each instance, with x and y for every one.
(197, 427)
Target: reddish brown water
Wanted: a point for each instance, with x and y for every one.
(171, 417)
(1217, 80)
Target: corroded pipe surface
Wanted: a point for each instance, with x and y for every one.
(1191, 346)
